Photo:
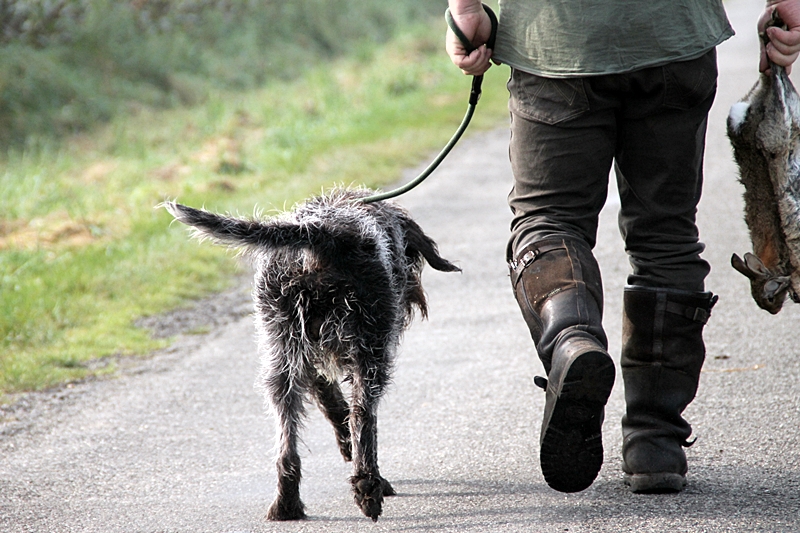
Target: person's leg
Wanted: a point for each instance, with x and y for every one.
(659, 165)
(561, 151)
(659, 171)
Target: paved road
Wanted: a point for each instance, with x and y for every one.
(181, 443)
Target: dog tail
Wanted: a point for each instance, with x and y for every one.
(235, 232)
(417, 243)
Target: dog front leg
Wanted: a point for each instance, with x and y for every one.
(287, 402)
(369, 487)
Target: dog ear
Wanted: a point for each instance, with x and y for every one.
(419, 244)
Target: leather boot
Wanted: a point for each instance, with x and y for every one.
(662, 354)
(558, 288)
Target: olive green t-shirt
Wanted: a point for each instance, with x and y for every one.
(568, 38)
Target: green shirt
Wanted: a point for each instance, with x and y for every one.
(569, 38)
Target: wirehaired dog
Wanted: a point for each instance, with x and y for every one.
(336, 284)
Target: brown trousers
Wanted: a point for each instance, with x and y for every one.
(651, 124)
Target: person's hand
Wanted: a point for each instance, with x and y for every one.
(473, 21)
(784, 45)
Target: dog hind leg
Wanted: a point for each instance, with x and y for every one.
(369, 487)
(333, 405)
(287, 400)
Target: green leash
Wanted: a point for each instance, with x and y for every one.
(474, 96)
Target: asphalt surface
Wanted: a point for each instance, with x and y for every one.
(181, 443)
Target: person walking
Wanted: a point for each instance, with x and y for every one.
(596, 83)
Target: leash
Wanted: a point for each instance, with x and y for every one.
(474, 96)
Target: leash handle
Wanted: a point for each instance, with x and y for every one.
(468, 46)
(477, 81)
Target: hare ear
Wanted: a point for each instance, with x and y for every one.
(738, 264)
(756, 265)
(775, 286)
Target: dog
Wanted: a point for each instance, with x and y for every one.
(336, 283)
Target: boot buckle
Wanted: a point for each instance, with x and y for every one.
(696, 314)
(527, 258)
(531, 253)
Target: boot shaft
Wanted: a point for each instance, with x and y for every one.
(664, 327)
(662, 355)
(557, 285)
(559, 290)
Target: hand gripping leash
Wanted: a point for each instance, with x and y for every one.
(474, 96)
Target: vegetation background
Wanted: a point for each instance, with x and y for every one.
(109, 107)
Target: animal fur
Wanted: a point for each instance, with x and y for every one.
(764, 130)
(336, 284)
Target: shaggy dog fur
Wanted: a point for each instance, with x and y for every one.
(336, 283)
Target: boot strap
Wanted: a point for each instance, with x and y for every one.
(528, 255)
(696, 314)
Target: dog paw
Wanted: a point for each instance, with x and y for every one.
(286, 510)
(368, 493)
(388, 490)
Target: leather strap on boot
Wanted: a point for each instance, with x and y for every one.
(529, 253)
(696, 314)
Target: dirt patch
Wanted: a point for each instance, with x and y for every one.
(171, 172)
(189, 325)
(203, 315)
(98, 172)
(55, 230)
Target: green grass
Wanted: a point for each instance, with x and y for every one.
(62, 71)
(83, 252)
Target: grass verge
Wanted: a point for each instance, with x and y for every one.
(83, 253)
(66, 65)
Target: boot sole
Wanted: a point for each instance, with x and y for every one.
(657, 483)
(571, 442)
